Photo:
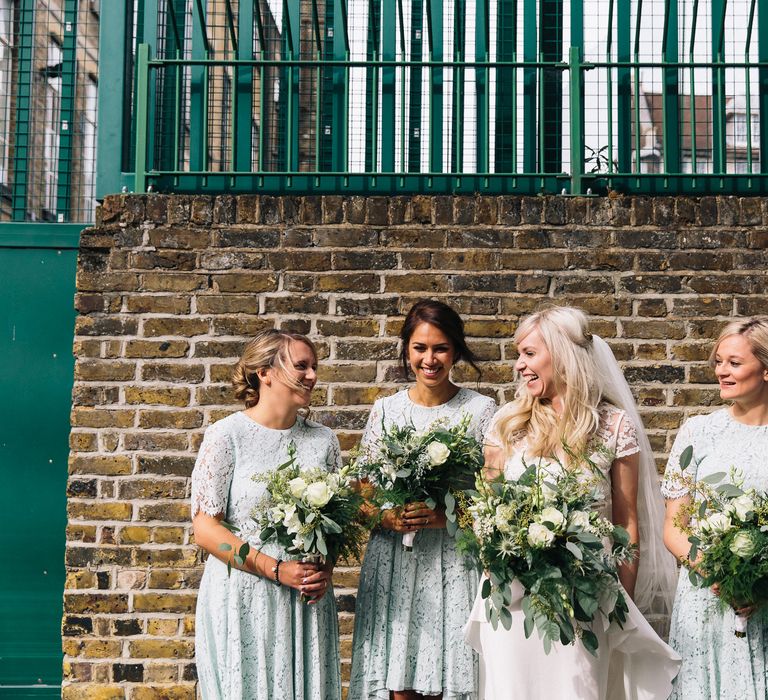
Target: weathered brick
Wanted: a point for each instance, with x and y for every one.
(166, 465)
(173, 325)
(160, 649)
(166, 372)
(106, 465)
(156, 303)
(157, 395)
(163, 692)
(164, 602)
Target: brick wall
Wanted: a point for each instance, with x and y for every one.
(170, 286)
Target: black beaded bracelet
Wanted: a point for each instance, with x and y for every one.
(276, 572)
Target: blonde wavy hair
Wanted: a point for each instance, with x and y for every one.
(755, 332)
(565, 332)
(268, 349)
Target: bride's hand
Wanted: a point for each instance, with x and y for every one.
(392, 519)
(419, 516)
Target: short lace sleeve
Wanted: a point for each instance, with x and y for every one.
(672, 485)
(492, 437)
(334, 453)
(212, 475)
(485, 419)
(372, 431)
(626, 437)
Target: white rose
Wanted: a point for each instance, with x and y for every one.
(318, 494)
(277, 514)
(716, 523)
(579, 519)
(741, 507)
(553, 516)
(297, 487)
(540, 536)
(438, 452)
(743, 545)
(548, 494)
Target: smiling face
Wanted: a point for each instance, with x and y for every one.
(294, 384)
(741, 375)
(534, 363)
(430, 355)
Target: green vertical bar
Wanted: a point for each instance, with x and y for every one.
(718, 89)
(414, 111)
(388, 44)
(292, 17)
(67, 111)
(506, 88)
(576, 110)
(170, 106)
(21, 141)
(671, 109)
(142, 114)
(340, 83)
(114, 132)
(482, 12)
(242, 129)
(198, 116)
(551, 88)
(762, 49)
(457, 112)
(529, 87)
(624, 87)
(435, 10)
(150, 37)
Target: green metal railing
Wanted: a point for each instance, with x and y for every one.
(451, 96)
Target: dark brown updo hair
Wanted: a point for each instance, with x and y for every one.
(267, 349)
(445, 319)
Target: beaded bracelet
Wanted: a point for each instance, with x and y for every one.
(276, 572)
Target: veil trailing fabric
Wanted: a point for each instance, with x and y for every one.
(657, 570)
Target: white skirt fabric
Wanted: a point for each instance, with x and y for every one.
(632, 663)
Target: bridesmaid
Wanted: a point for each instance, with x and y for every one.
(716, 663)
(255, 639)
(411, 606)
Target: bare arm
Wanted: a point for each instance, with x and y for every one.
(624, 492)
(675, 539)
(309, 579)
(494, 462)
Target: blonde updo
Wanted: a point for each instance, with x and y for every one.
(755, 332)
(565, 332)
(267, 349)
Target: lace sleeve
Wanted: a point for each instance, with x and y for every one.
(213, 472)
(626, 437)
(334, 453)
(372, 431)
(672, 485)
(485, 418)
(492, 437)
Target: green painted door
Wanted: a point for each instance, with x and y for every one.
(36, 365)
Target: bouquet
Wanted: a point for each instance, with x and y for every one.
(309, 511)
(433, 465)
(728, 531)
(543, 531)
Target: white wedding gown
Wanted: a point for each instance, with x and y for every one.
(632, 662)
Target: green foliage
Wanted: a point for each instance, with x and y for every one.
(543, 531)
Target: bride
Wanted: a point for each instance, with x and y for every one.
(573, 393)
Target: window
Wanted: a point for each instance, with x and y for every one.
(6, 45)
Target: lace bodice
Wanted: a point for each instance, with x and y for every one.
(236, 448)
(615, 437)
(720, 443)
(398, 409)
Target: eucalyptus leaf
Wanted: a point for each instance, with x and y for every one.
(506, 618)
(452, 527)
(589, 639)
(685, 457)
(574, 549)
(431, 503)
(713, 478)
(244, 550)
(224, 547)
(485, 589)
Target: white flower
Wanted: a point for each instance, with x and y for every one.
(297, 487)
(743, 545)
(503, 518)
(579, 519)
(276, 514)
(553, 516)
(291, 520)
(540, 536)
(716, 523)
(548, 494)
(741, 507)
(438, 452)
(318, 494)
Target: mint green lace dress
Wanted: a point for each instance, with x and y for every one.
(411, 606)
(255, 640)
(716, 663)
